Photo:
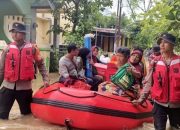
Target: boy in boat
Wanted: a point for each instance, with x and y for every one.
(67, 66)
(68, 69)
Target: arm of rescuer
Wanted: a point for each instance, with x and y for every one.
(146, 89)
(2, 64)
(41, 65)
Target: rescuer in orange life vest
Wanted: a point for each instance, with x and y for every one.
(164, 77)
(17, 71)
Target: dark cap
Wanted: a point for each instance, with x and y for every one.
(19, 27)
(167, 37)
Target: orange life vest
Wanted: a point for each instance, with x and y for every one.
(19, 64)
(166, 81)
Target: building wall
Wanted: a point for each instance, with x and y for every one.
(105, 44)
(2, 33)
(62, 23)
(45, 53)
(2, 45)
(22, 8)
(111, 47)
(42, 38)
(8, 21)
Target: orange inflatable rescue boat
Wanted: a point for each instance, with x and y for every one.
(86, 109)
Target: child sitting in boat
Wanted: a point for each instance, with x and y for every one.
(83, 56)
(94, 59)
(142, 63)
(131, 68)
(135, 60)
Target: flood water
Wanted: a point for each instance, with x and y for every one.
(19, 122)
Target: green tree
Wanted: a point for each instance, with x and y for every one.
(136, 6)
(82, 14)
(163, 16)
(155, 22)
(134, 25)
(174, 17)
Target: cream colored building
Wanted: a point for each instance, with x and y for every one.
(44, 22)
(36, 15)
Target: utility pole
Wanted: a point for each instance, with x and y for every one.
(118, 26)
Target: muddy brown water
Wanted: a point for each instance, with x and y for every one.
(29, 122)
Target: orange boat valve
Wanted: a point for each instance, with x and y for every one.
(68, 124)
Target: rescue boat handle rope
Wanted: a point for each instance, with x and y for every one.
(94, 95)
(98, 94)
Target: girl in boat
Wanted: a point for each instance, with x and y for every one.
(83, 56)
(94, 59)
(136, 61)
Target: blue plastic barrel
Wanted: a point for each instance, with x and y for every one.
(87, 44)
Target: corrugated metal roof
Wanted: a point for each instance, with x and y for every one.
(105, 30)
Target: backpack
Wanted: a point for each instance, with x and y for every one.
(123, 79)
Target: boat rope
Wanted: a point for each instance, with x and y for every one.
(90, 96)
(94, 94)
(114, 98)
